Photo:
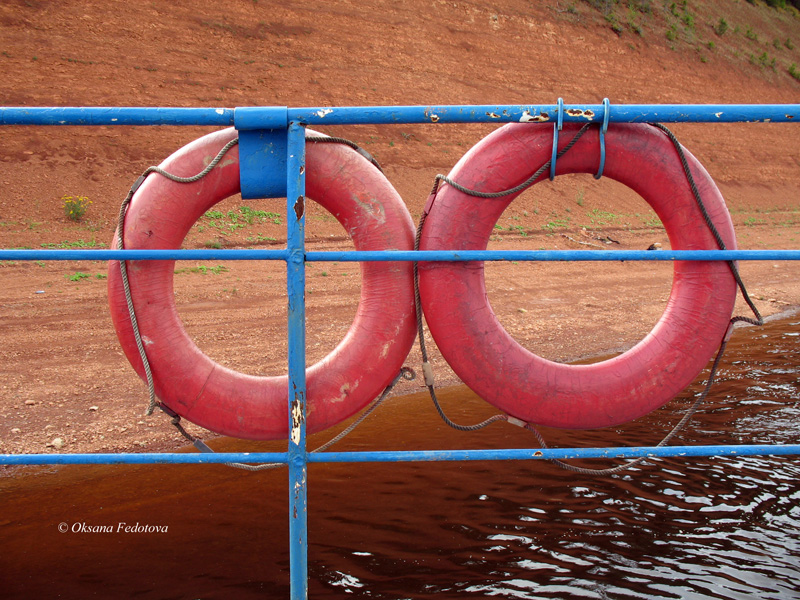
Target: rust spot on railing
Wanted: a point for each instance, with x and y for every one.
(577, 112)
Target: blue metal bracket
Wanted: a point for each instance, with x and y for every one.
(556, 128)
(262, 150)
(603, 129)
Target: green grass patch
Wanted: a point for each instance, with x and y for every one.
(556, 224)
(76, 244)
(602, 217)
(77, 276)
(234, 220)
(202, 269)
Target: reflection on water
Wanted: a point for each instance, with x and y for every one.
(678, 528)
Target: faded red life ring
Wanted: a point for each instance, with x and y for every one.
(231, 403)
(540, 391)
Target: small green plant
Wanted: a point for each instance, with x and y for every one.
(653, 222)
(721, 27)
(763, 60)
(794, 72)
(75, 206)
(556, 224)
(77, 276)
(750, 34)
(672, 33)
(612, 21)
(788, 43)
(632, 24)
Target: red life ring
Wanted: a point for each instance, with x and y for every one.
(537, 390)
(231, 403)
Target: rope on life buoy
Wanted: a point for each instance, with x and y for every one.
(123, 270)
(190, 384)
(405, 373)
(517, 189)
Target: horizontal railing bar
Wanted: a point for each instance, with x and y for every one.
(173, 254)
(552, 453)
(551, 255)
(403, 255)
(100, 115)
(349, 115)
(144, 458)
(578, 113)
(405, 456)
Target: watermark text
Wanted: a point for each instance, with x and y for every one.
(119, 527)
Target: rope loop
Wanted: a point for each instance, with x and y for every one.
(759, 320)
(406, 373)
(426, 366)
(556, 128)
(123, 269)
(551, 164)
(603, 129)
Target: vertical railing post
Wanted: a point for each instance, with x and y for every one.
(295, 286)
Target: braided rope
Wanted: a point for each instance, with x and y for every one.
(123, 269)
(502, 417)
(337, 140)
(759, 320)
(629, 464)
(426, 366)
(404, 373)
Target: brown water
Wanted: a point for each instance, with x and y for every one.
(680, 528)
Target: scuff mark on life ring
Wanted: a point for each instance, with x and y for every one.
(372, 207)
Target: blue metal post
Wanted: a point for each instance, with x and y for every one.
(295, 286)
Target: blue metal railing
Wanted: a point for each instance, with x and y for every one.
(249, 117)
(287, 125)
